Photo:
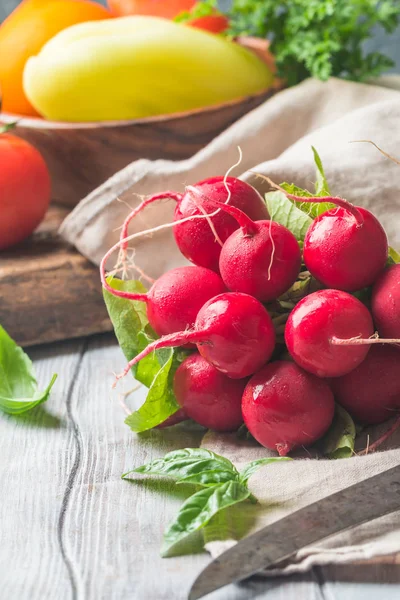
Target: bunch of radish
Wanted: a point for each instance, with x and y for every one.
(223, 310)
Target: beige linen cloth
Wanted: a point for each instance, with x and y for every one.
(276, 140)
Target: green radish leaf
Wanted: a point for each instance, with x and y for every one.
(254, 465)
(291, 188)
(312, 209)
(393, 257)
(285, 212)
(199, 509)
(321, 185)
(155, 371)
(160, 402)
(338, 442)
(129, 318)
(18, 385)
(191, 465)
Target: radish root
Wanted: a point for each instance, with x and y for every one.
(382, 439)
(363, 342)
(124, 232)
(229, 171)
(135, 236)
(395, 160)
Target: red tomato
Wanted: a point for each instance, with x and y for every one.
(155, 8)
(212, 23)
(24, 189)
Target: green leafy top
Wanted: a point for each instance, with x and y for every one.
(18, 385)
(156, 370)
(338, 442)
(321, 38)
(221, 485)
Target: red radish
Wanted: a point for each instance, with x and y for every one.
(208, 396)
(345, 248)
(176, 297)
(320, 331)
(233, 332)
(262, 258)
(174, 419)
(285, 407)
(371, 392)
(385, 302)
(197, 241)
(344, 253)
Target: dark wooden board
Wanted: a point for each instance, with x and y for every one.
(48, 291)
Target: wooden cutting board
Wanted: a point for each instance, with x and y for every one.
(48, 291)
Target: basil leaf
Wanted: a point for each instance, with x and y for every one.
(17, 406)
(393, 257)
(18, 385)
(160, 402)
(284, 211)
(338, 442)
(197, 511)
(254, 465)
(191, 465)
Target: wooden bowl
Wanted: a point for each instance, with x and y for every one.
(81, 156)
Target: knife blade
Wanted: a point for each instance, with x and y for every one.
(359, 503)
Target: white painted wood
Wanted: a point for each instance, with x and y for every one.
(72, 529)
(37, 451)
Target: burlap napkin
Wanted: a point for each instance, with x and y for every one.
(275, 140)
(285, 487)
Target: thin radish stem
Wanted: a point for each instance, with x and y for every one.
(361, 341)
(383, 438)
(318, 199)
(162, 196)
(167, 341)
(248, 226)
(195, 192)
(273, 250)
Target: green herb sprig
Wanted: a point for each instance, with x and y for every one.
(221, 486)
(321, 38)
(18, 386)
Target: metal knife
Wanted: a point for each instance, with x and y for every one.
(362, 502)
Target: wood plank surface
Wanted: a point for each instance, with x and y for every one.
(48, 290)
(72, 529)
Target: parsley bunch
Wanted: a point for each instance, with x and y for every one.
(321, 38)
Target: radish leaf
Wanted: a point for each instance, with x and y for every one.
(285, 212)
(394, 257)
(313, 209)
(160, 402)
(338, 442)
(156, 370)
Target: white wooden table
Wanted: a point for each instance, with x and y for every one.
(71, 529)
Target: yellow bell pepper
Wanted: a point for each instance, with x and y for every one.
(138, 66)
